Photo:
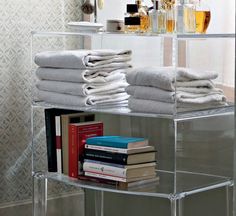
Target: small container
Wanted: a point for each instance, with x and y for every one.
(115, 25)
(132, 19)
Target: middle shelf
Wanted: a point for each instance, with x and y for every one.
(169, 186)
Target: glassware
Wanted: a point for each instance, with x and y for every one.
(132, 19)
(144, 17)
(153, 17)
(179, 11)
(189, 17)
(203, 17)
(161, 18)
(170, 20)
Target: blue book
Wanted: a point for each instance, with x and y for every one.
(117, 141)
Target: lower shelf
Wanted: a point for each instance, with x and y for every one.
(170, 185)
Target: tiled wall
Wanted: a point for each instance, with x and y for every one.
(17, 19)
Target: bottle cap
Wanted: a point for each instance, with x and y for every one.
(132, 8)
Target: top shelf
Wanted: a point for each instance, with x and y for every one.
(175, 35)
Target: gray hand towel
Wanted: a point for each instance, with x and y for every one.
(86, 76)
(156, 94)
(158, 107)
(72, 100)
(164, 77)
(82, 89)
(81, 59)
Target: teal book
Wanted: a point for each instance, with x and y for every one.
(117, 141)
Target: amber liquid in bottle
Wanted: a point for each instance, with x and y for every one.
(144, 23)
(202, 21)
(170, 26)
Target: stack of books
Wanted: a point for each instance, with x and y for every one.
(119, 159)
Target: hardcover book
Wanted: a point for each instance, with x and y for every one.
(121, 150)
(51, 141)
(65, 121)
(78, 133)
(130, 171)
(119, 158)
(118, 141)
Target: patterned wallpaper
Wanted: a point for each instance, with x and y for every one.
(17, 19)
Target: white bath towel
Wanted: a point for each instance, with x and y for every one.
(86, 76)
(81, 59)
(158, 107)
(186, 96)
(82, 89)
(164, 77)
(71, 100)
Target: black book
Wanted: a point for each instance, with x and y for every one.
(119, 158)
(50, 115)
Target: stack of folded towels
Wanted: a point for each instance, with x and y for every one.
(83, 77)
(165, 90)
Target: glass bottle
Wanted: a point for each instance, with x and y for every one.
(189, 17)
(153, 17)
(179, 11)
(161, 17)
(170, 19)
(132, 19)
(203, 17)
(144, 17)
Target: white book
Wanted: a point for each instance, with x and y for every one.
(58, 143)
(126, 172)
(120, 150)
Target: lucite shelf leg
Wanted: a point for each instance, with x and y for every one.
(99, 203)
(176, 207)
(227, 201)
(39, 194)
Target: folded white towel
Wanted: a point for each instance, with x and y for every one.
(86, 76)
(156, 94)
(82, 89)
(158, 107)
(164, 77)
(72, 100)
(81, 59)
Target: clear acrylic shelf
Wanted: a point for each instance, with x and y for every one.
(170, 185)
(175, 35)
(124, 110)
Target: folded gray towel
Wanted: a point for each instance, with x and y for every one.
(158, 107)
(187, 96)
(81, 59)
(164, 77)
(72, 100)
(82, 76)
(82, 89)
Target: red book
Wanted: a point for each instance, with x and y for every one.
(78, 133)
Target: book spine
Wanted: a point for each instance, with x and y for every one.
(106, 156)
(105, 148)
(77, 139)
(58, 143)
(105, 169)
(97, 175)
(107, 144)
(95, 130)
(51, 142)
(73, 151)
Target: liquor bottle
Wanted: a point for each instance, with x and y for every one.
(132, 19)
(189, 17)
(144, 17)
(203, 17)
